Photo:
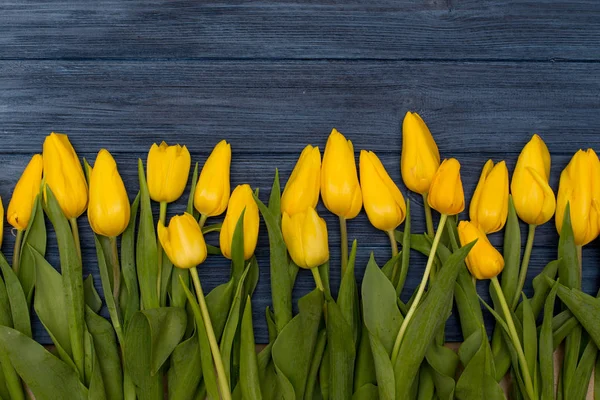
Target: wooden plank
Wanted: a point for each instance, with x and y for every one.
(382, 29)
(489, 108)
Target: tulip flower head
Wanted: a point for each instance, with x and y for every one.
(382, 199)
(241, 199)
(109, 209)
(26, 190)
(484, 261)
(446, 193)
(580, 187)
(302, 189)
(305, 235)
(489, 205)
(183, 241)
(168, 171)
(533, 198)
(339, 181)
(64, 175)
(212, 190)
(420, 155)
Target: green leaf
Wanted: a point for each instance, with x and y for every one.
(383, 369)
(35, 236)
(212, 228)
(267, 374)
(150, 339)
(92, 298)
(366, 392)
(106, 272)
(238, 264)
(16, 298)
(347, 299)
(275, 198)
(190, 204)
(293, 349)
(443, 363)
(249, 376)
(529, 339)
(218, 302)
(106, 353)
(405, 252)
(388, 267)
(541, 288)
(72, 274)
(364, 371)
(546, 349)
(271, 327)
(431, 313)
(5, 314)
(561, 332)
(585, 308)
(146, 251)
(426, 384)
(568, 270)
(512, 252)
(340, 342)
(313, 372)
(210, 379)
(47, 377)
(130, 292)
(97, 390)
(281, 288)
(185, 371)
(578, 387)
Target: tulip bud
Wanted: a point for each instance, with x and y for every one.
(26, 190)
(580, 187)
(168, 171)
(212, 190)
(305, 235)
(241, 199)
(183, 241)
(339, 182)
(533, 198)
(484, 261)
(489, 205)
(109, 209)
(446, 192)
(64, 175)
(383, 200)
(420, 155)
(302, 189)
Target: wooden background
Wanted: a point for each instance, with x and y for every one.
(272, 76)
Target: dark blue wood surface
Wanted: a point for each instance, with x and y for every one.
(271, 77)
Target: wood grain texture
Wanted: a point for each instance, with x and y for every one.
(272, 76)
(382, 29)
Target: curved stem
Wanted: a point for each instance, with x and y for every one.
(214, 346)
(524, 265)
(417, 299)
(75, 230)
(318, 281)
(344, 243)
(394, 245)
(162, 218)
(428, 217)
(203, 218)
(116, 267)
(515, 339)
(17, 252)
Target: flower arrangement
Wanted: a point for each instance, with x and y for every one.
(167, 338)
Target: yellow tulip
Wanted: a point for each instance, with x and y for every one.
(64, 175)
(339, 181)
(420, 155)
(212, 190)
(383, 200)
(109, 209)
(183, 241)
(305, 235)
(533, 198)
(489, 205)
(446, 192)
(241, 199)
(26, 190)
(168, 171)
(484, 261)
(580, 187)
(302, 189)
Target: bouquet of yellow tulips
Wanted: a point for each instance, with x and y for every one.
(167, 338)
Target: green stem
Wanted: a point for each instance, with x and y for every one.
(17, 252)
(421, 290)
(214, 346)
(116, 267)
(162, 218)
(203, 218)
(75, 230)
(524, 265)
(515, 339)
(318, 280)
(344, 243)
(428, 217)
(394, 245)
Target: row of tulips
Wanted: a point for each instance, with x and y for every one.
(164, 339)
